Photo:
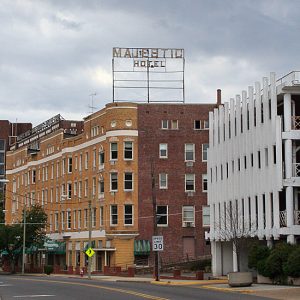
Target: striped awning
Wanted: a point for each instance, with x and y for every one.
(141, 247)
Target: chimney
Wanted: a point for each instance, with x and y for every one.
(219, 97)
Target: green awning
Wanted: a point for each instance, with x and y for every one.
(141, 247)
(4, 252)
(55, 247)
(32, 249)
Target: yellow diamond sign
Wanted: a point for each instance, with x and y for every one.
(90, 252)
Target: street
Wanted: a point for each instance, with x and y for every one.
(28, 287)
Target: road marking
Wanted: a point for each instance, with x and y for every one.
(146, 296)
(5, 284)
(33, 296)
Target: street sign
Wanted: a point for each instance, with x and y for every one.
(157, 243)
(90, 252)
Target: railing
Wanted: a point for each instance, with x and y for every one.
(295, 122)
(282, 218)
(296, 169)
(290, 79)
(297, 217)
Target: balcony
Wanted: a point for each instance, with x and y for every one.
(291, 79)
(283, 221)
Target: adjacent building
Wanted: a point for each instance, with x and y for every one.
(253, 168)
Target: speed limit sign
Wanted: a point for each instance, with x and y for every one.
(157, 243)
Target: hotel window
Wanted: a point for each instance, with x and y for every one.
(128, 181)
(164, 124)
(74, 218)
(101, 216)
(69, 220)
(69, 186)
(163, 150)
(56, 221)
(63, 166)
(85, 218)
(162, 215)
(113, 215)
(79, 219)
(70, 165)
(101, 187)
(188, 216)
(204, 152)
(57, 170)
(33, 176)
(52, 171)
(80, 162)
(86, 188)
(94, 216)
(75, 188)
(189, 182)
(101, 159)
(128, 214)
(206, 124)
(197, 124)
(204, 182)
(86, 160)
(128, 149)
(174, 124)
(189, 152)
(79, 189)
(113, 151)
(94, 186)
(114, 182)
(205, 216)
(62, 219)
(163, 181)
(76, 162)
(94, 159)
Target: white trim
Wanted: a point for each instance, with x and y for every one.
(100, 139)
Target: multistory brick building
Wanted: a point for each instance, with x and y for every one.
(173, 141)
(67, 165)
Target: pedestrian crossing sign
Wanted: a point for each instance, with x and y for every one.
(90, 252)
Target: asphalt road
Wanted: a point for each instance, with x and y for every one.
(33, 287)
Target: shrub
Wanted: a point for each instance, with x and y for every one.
(48, 269)
(292, 265)
(257, 253)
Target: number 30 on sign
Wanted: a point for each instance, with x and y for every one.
(157, 243)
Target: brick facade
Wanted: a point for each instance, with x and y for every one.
(179, 242)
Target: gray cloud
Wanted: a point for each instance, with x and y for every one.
(54, 54)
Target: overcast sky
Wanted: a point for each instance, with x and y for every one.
(54, 54)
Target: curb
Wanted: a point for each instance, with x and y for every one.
(229, 290)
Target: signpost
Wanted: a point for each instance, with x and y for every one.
(90, 252)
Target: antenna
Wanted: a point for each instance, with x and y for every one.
(92, 107)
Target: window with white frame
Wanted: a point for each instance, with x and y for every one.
(101, 159)
(174, 124)
(33, 176)
(69, 220)
(113, 151)
(79, 189)
(86, 188)
(189, 182)
(162, 215)
(128, 214)
(204, 152)
(85, 218)
(70, 167)
(128, 150)
(205, 215)
(163, 181)
(101, 187)
(94, 186)
(206, 124)
(75, 188)
(204, 182)
(80, 162)
(113, 215)
(188, 216)
(197, 124)
(163, 150)
(56, 221)
(128, 181)
(69, 192)
(74, 219)
(189, 152)
(62, 220)
(164, 124)
(114, 182)
(79, 219)
(94, 158)
(94, 216)
(101, 220)
(86, 160)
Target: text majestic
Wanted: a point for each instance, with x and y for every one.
(148, 53)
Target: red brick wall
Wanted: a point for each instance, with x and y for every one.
(150, 135)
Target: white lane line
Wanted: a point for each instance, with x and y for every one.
(5, 284)
(33, 296)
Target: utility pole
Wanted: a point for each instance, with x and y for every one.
(153, 188)
(24, 239)
(90, 237)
